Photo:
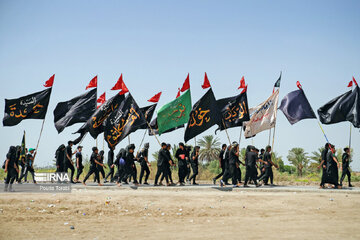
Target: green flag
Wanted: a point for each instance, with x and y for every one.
(175, 113)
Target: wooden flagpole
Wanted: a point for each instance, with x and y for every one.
(227, 134)
(37, 145)
(152, 131)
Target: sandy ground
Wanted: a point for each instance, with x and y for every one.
(171, 213)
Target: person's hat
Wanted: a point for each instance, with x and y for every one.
(31, 149)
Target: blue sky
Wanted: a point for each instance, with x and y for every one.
(156, 43)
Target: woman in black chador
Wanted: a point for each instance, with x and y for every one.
(332, 167)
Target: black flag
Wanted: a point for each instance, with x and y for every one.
(345, 107)
(33, 106)
(95, 123)
(125, 120)
(203, 115)
(234, 111)
(155, 130)
(296, 107)
(148, 113)
(76, 110)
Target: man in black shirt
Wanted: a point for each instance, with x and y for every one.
(79, 165)
(68, 162)
(130, 168)
(11, 169)
(221, 163)
(120, 163)
(226, 176)
(94, 160)
(110, 162)
(268, 167)
(101, 166)
(161, 164)
(194, 160)
(60, 158)
(346, 167)
(234, 163)
(182, 163)
(188, 162)
(144, 163)
(251, 173)
(167, 166)
(322, 165)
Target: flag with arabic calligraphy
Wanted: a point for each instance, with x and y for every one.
(76, 110)
(33, 106)
(203, 116)
(234, 111)
(263, 116)
(125, 120)
(148, 113)
(174, 113)
(95, 123)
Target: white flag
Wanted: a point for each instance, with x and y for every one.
(263, 116)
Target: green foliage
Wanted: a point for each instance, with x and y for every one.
(298, 157)
(209, 148)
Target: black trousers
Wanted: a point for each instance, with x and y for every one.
(182, 173)
(101, 170)
(195, 170)
(233, 174)
(120, 174)
(110, 174)
(168, 173)
(346, 172)
(323, 176)
(226, 175)
(221, 174)
(144, 169)
(251, 174)
(161, 170)
(22, 172)
(28, 169)
(91, 171)
(67, 166)
(11, 176)
(268, 174)
(79, 171)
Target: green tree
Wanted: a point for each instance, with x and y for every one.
(298, 157)
(278, 161)
(209, 148)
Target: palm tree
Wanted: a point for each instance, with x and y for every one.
(298, 157)
(209, 148)
(316, 155)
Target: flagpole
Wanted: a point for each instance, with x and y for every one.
(42, 127)
(103, 142)
(269, 136)
(227, 134)
(129, 139)
(350, 130)
(152, 131)
(195, 140)
(273, 140)
(141, 142)
(241, 128)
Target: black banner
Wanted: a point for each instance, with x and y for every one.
(345, 107)
(95, 125)
(148, 113)
(203, 115)
(33, 106)
(234, 111)
(125, 120)
(76, 110)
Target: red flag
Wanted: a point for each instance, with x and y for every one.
(92, 83)
(117, 86)
(206, 82)
(242, 83)
(101, 100)
(298, 85)
(178, 94)
(186, 84)
(155, 98)
(50, 82)
(124, 89)
(350, 84)
(244, 90)
(355, 81)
